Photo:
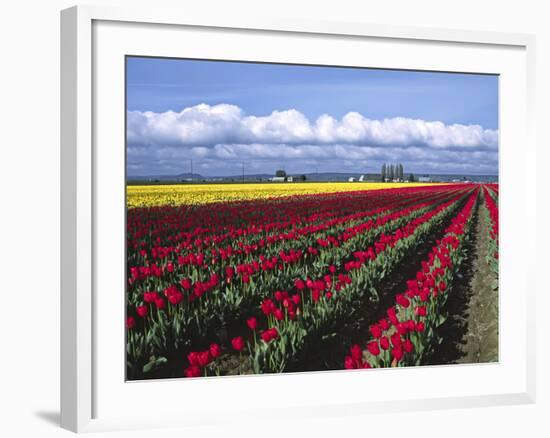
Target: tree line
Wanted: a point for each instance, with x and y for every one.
(390, 172)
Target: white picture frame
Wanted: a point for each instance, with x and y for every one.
(84, 371)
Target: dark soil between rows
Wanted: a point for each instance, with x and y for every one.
(480, 343)
(470, 334)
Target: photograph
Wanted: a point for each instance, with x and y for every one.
(288, 218)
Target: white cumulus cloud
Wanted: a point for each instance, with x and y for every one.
(219, 135)
(208, 126)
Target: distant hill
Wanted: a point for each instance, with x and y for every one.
(180, 177)
(460, 177)
(321, 176)
(324, 176)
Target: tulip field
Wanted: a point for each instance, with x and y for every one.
(267, 278)
(162, 195)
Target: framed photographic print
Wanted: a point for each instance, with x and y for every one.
(319, 209)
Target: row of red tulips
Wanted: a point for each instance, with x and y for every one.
(408, 332)
(491, 219)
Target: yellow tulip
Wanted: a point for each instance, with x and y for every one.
(191, 194)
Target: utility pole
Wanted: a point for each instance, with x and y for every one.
(191, 175)
(243, 171)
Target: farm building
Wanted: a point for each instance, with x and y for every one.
(424, 178)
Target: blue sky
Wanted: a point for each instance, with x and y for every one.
(305, 117)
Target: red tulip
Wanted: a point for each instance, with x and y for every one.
(420, 310)
(130, 322)
(193, 358)
(268, 307)
(150, 297)
(402, 328)
(349, 363)
(384, 343)
(373, 348)
(186, 283)
(237, 343)
(215, 351)
(408, 346)
(356, 352)
(384, 324)
(175, 298)
(396, 339)
(192, 371)
(403, 301)
(266, 336)
(375, 330)
(142, 311)
(278, 314)
(397, 353)
(204, 358)
(393, 315)
(252, 323)
(160, 303)
(270, 334)
(274, 333)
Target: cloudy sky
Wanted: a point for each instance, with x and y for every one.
(306, 119)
